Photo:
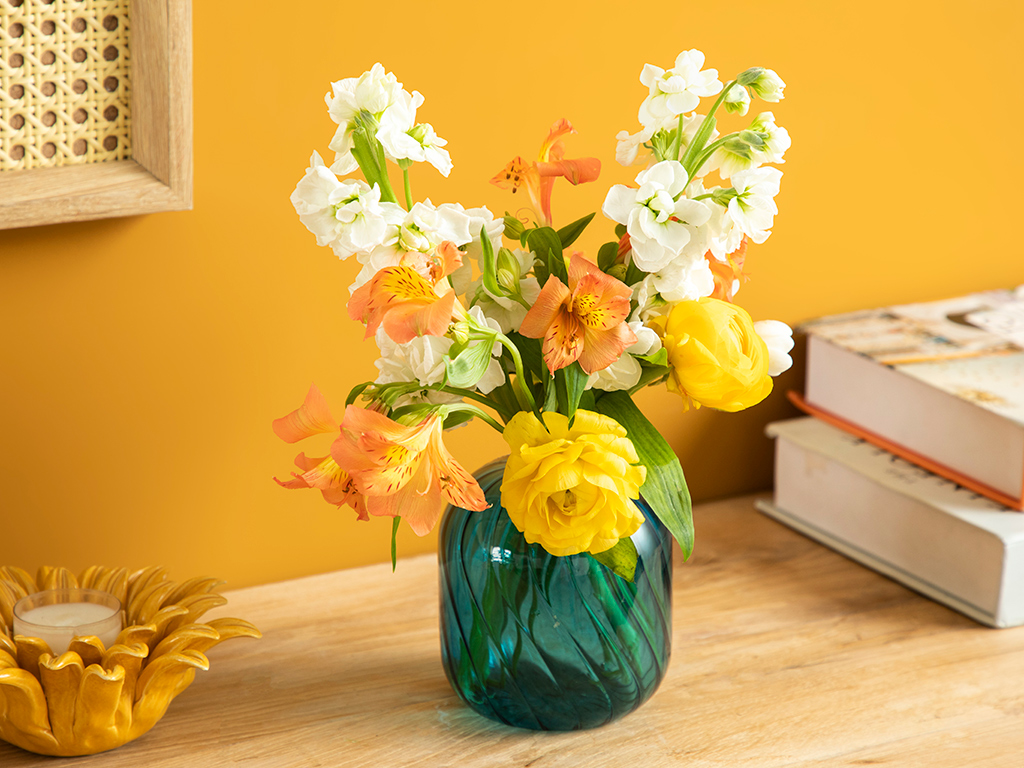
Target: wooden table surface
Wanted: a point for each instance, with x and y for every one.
(784, 654)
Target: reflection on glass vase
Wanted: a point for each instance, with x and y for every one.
(544, 642)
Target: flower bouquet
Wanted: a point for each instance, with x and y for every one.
(555, 564)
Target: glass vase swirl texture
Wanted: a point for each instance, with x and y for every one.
(543, 642)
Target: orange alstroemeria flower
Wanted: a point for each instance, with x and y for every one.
(729, 275)
(313, 418)
(539, 176)
(585, 321)
(405, 302)
(404, 470)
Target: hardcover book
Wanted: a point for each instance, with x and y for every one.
(939, 383)
(929, 533)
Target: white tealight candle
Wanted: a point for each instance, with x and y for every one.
(60, 615)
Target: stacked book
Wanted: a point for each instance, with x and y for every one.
(913, 462)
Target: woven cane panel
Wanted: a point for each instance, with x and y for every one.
(64, 82)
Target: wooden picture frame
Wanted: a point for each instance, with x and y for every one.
(158, 177)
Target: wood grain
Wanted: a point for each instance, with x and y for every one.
(785, 654)
(159, 177)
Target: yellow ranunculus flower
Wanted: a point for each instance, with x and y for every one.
(570, 489)
(716, 356)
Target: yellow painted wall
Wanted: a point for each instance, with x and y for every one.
(144, 358)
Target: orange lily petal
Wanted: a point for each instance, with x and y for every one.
(545, 309)
(512, 175)
(407, 321)
(421, 509)
(551, 149)
(334, 483)
(728, 272)
(574, 171)
(405, 302)
(563, 342)
(313, 417)
(601, 348)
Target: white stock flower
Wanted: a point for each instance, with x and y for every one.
(405, 139)
(625, 372)
(778, 337)
(724, 236)
(462, 278)
(753, 209)
(660, 220)
(685, 279)
(628, 147)
(420, 360)
(737, 100)
(374, 92)
(676, 91)
(346, 215)
(421, 230)
(494, 376)
(648, 303)
(778, 140)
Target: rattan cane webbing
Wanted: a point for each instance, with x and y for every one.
(64, 82)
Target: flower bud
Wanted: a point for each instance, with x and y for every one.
(618, 271)
(768, 86)
(508, 281)
(737, 100)
(460, 332)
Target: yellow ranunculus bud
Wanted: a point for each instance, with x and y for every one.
(716, 356)
(570, 489)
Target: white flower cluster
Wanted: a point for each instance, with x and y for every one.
(671, 217)
(674, 222)
(378, 97)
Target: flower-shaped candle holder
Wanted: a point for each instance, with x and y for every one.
(92, 698)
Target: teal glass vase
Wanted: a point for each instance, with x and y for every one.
(543, 642)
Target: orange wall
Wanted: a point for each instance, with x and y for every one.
(144, 358)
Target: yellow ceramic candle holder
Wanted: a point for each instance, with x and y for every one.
(92, 699)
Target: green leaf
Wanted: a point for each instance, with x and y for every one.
(665, 487)
(620, 230)
(648, 374)
(658, 358)
(469, 364)
(544, 242)
(620, 559)
(488, 269)
(514, 228)
(394, 542)
(588, 401)
(533, 360)
(570, 232)
(456, 418)
(572, 380)
(355, 392)
(606, 256)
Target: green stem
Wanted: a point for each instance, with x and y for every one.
(721, 98)
(521, 382)
(482, 399)
(477, 413)
(679, 139)
(707, 153)
(701, 137)
(408, 188)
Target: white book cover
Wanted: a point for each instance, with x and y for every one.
(971, 347)
(929, 533)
